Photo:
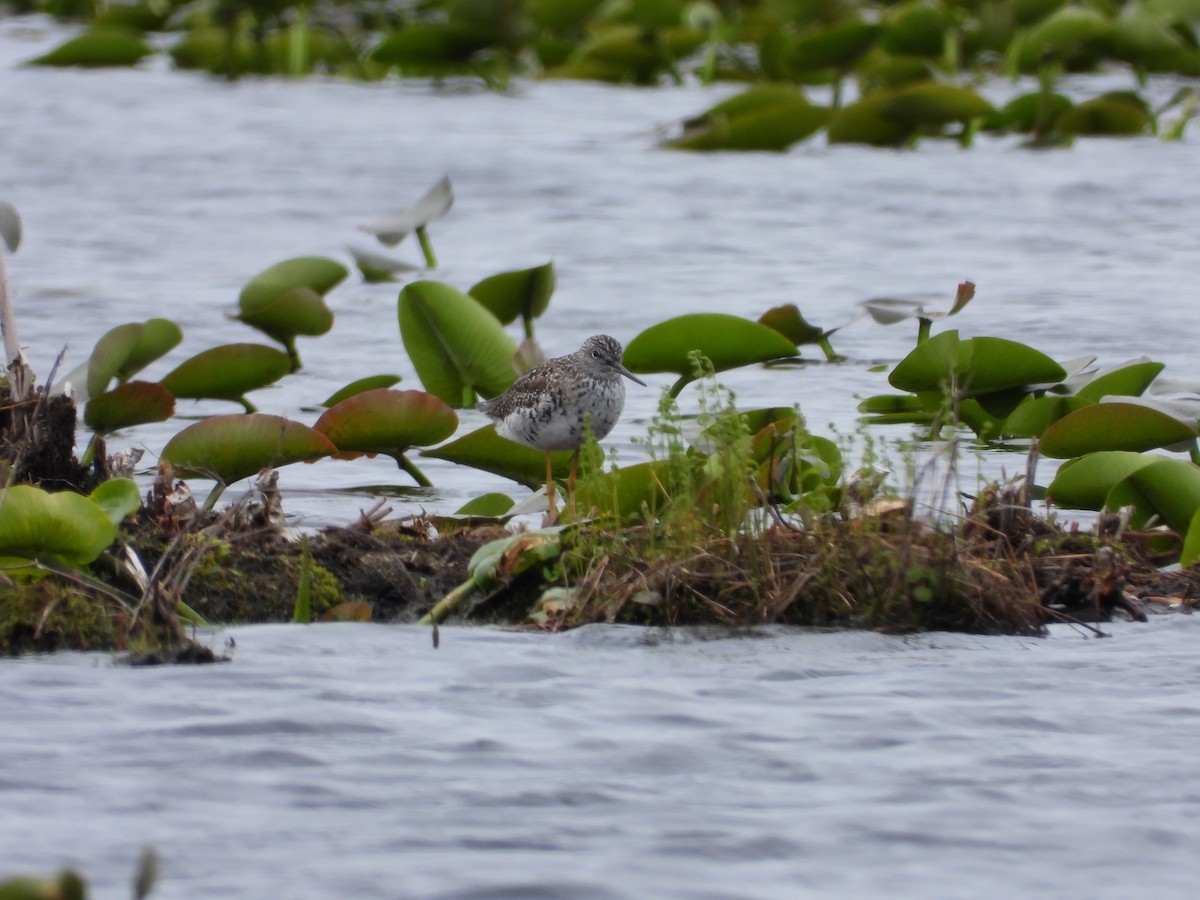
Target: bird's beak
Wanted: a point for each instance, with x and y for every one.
(624, 371)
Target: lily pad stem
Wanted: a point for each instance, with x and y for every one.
(678, 386)
(923, 326)
(410, 467)
(214, 496)
(426, 247)
(447, 604)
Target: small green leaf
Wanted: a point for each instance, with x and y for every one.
(230, 448)
(457, 347)
(930, 103)
(1083, 483)
(1112, 426)
(1032, 417)
(287, 299)
(981, 365)
(728, 342)
(524, 293)
(98, 48)
(1127, 381)
(790, 322)
(488, 506)
(110, 355)
(119, 498)
(357, 387)
(227, 372)
(1191, 542)
(626, 492)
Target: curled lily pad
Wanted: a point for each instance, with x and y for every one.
(980, 365)
(1117, 114)
(764, 117)
(64, 526)
(789, 322)
(490, 506)
(127, 349)
(391, 230)
(1130, 380)
(1032, 417)
(728, 342)
(1113, 426)
(288, 300)
(376, 267)
(458, 348)
(119, 498)
(228, 372)
(230, 448)
(129, 404)
(1062, 34)
(370, 383)
(387, 421)
(525, 293)
(1168, 489)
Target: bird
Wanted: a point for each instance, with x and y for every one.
(548, 406)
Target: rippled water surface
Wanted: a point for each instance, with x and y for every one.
(356, 761)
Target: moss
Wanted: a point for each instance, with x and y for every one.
(46, 615)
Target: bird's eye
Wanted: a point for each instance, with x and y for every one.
(595, 354)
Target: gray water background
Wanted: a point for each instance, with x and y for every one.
(356, 761)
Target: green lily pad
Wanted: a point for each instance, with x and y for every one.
(1112, 426)
(370, 383)
(421, 48)
(626, 492)
(119, 498)
(227, 372)
(838, 46)
(457, 347)
(1062, 34)
(915, 28)
(127, 405)
(64, 526)
(980, 365)
(1127, 381)
(1084, 483)
(1111, 115)
(484, 449)
(489, 506)
(386, 421)
(287, 299)
(1191, 542)
(98, 48)
(769, 117)
(1035, 111)
(864, 122)
(1033, 416)
(391, 230)
(126, 349)
(1166, 488)
(930, 103)
(524, 293)
(230, 448)
(728, 342)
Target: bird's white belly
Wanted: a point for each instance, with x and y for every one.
(549, 426)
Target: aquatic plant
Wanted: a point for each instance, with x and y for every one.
(392, 229)
(288, 300)
(227, 372)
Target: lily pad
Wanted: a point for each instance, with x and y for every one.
(127, 405)
(227, 372)
(458, 348)
(370, 383)
(1084, 483)
(232, 447)
(484, 449)
(1032, 417)
(768, 117)
(287, 300)
(10, 226)
(119, 498)
(1128, 381)
(1112, 426)
(626, 493)
(489, 506)
(391, 230)
(1166, 488)
(386, 421)
(98, 48)
(64, 526)
(524, 293)
(1111, 115)
(126, 349)
(728, 342)
(980, 365)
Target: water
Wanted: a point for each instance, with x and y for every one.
(357, 761)
(349, 760)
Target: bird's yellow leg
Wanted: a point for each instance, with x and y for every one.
(549, 484)
(571, 485)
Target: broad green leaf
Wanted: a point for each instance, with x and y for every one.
(884, 404)
(486, 450)
(1112, 426)
(157, 338)
(836, 47)
(230, 448)
(98, 48)
(524, 293)
(65, 526)
(1036, 414)
(728, 342)
(1035, 111)
(981, 365)
(227, 372)
(1167, 488)
(490, 506)
(429, 44)
(864, 122)
(129, 404)
(377, 268)
(1127, 381)
(915, 28)
(930, 103)
(386, 421)
(457, 347)
(119, 498)
(391, 230)
(357, 387)
(1111, 115)
(764, 117)
(1062, 34)
(1083, 483)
